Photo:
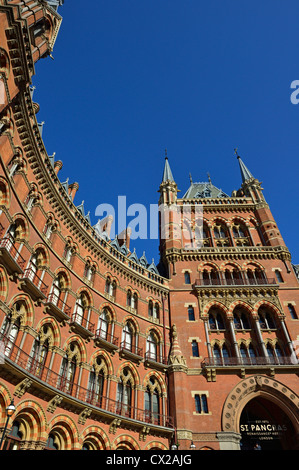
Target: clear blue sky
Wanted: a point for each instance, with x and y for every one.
(131, 78)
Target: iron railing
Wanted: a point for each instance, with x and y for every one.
(30, 274)
(242, 281)
(249, 361)
(37, 369)
(8, 243)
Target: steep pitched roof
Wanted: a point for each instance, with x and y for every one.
(245, 173)
(203, 190)
(167, 174)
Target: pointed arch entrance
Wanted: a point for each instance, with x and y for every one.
(261, 410)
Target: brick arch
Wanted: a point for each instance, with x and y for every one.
(4, 285)
(238, 218)
(133, 321)
(107, 359)
(154, 300)
(98, 434)
(156, 331)
(28, 321)
(81, 345)
(204, 264)
(112, 277)
(252, 387)
(53, 324)
(159, 378)
(5, 400)
(62, 270)
(253, 263)
(108, 306)
(68, 427)
(132, 369)
(41, 246)
(127, 441)
(34, 419)
(18, 217)
(85, 290)
(6, 197)
(156, 445)
(227, 263)
(217, 218)
(212, 304)
(240, 303)
(266, 303)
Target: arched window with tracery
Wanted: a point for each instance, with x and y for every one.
(132, 300)
(266, 319)
(10, 329)
(275, 353)
(221, 354)
(241, 235)
(82, 310)
(97, 383)
(216, 321)
(255, 275)
(153, 310)
(124, 398)
(128, 337)
(69, 368)
(233, 276)
(210, 276)
(59, 293)
(153, 401)
(153, 347)
(39, 353)
(110, 287)
(241, 321)
(221, 235)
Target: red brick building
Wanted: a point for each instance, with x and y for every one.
(102, 350)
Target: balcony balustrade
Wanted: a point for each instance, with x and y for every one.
(33, 284)
(248, 361)
(242, 281)
(103, 338)
(59, 309)
(80, 323)
(103, 404)
(10, 256)
(131, 351)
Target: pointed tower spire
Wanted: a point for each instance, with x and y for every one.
(167, 174)
(245, 173)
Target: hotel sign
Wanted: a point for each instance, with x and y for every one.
(263, 430)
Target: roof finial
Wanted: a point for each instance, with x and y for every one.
(191, 181)
(166, 154)
(209, 177)
(236, 152)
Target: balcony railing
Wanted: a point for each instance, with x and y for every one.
(80, 321)
(155, 357)
(249, 361)
(37, 369)
(35, 285)
(10, 254)
(131, 348)
(101, 334)
(242, 281)
(57, 302)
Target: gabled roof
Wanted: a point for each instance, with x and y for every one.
(203, 190)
